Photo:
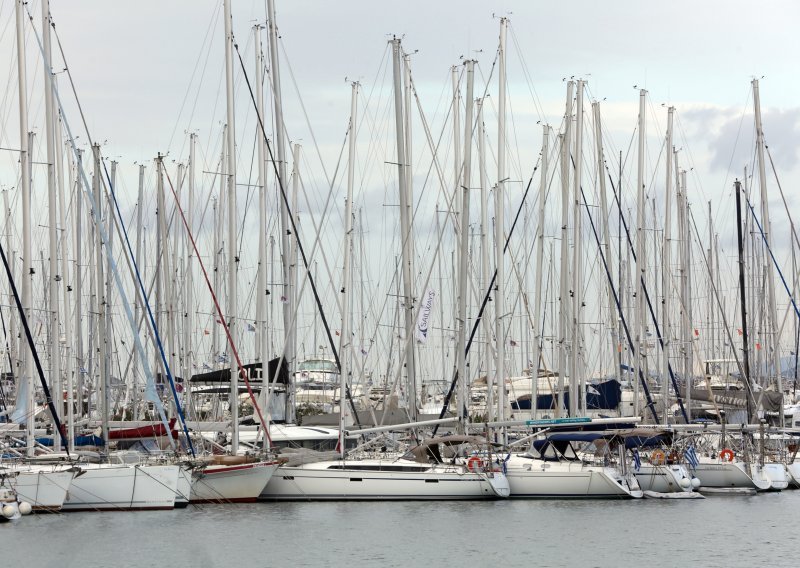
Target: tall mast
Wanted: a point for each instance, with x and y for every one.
(217, 210)
(577, 381)
(772, 332)
(743, 303)
(101, 304)
(456, 138)
(641, 267)
(106, 317)
(12, 326)
(345, 348)
(408, 264)
(613, 317)
(537, 307)
(170, 272)
(712, 280)
(138, 299)
(25, 380)
(232, 224)
(280, 149)
(67, 338)
(405, 228)
(564, 272)
(261, 349)
(487, 322)
(456, 208)
(499, 224)
(463, 257)
(686, 287)
(188, 298)
(292, 300)
(79, 355)
(55, 278)
(666, 268)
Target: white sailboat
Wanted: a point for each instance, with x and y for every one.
(122, 487)
(438, 469)
(226, 482)
(557, 467)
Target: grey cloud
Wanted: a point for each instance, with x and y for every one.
(731, 136)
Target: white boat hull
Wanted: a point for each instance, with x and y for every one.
(231, 483)
(557, 483)
(777, 475)
(101, 487)
(44, 488)
(730, 475)
(316, 482)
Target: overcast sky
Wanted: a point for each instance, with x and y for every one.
(137, 64)
(148, 72)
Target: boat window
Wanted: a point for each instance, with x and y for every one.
(380, 467)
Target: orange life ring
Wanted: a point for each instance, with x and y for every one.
(475, 464)
(726, 455)
(658, 457)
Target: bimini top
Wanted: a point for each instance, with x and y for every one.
(633, 438)
(428, 451)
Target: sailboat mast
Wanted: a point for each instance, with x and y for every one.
(188, 299)
(743, 302)
(79, 355)
(641, 267)
(499, 223)
(767, 227)
(405, 226)
(666, 268)
(345, 347)
(537, 307)
(261, 279)
(564, 270)
(232, 224)
(287, 259)
(577, 383)
(25, 380)
(408, 246)
(100, 301)
(216, 207)
(487, 325)
(463, 257)
(138, 298)
(711, 308)
(613, 316)
(54, 277)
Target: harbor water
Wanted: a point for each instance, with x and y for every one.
(725, 531)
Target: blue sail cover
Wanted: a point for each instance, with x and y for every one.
(601, 396)
(79, 441)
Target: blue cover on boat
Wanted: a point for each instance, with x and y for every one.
(79, 441)
(605, 395)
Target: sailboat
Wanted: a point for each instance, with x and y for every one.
(438, 469)
(561, 466)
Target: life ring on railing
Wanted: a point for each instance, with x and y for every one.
(658, 457)
(475, 464)
(726, 455)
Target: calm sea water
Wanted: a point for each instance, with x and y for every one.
(758, 530)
